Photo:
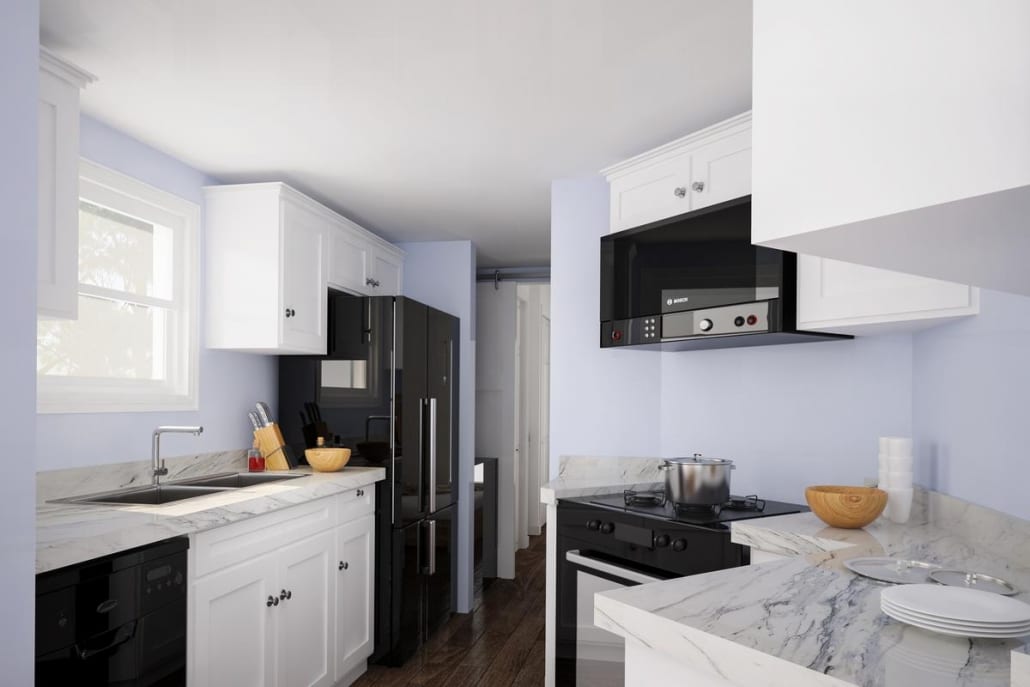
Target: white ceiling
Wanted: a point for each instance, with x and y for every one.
(420, 119)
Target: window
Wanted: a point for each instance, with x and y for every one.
(134, 344)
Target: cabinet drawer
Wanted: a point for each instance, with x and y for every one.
(224, 546)
(355, 503)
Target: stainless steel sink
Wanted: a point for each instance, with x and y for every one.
(153, 495)
(237, 480)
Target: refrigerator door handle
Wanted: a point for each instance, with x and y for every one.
(430, 567)
(432, 455)
(422, 402)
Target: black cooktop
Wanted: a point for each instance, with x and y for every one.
(737, 508)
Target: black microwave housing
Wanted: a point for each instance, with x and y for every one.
(696, 281)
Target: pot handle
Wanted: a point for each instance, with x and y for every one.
(664, 466)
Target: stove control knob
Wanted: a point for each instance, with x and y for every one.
(608, 527)
(705, 325)
(679, 545)
(662, 540)
(594, 525)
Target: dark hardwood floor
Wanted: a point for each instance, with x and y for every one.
(499, 644)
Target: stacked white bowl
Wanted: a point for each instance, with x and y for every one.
(896, 476)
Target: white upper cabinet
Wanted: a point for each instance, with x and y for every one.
(701, 169)
(272, 255)
(266, 288)
(362, 263)
(58, 177)
(913, 156)
(713, 166)
(845, 298)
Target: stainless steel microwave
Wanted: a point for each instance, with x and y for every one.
(697, 281)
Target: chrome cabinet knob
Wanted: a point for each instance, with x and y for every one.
(343, 565)
(698, 186)
(680, 191)
(370, 282)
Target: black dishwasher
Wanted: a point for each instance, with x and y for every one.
(118, 621)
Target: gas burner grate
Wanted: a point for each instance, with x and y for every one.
(747, 503)
(654, 497)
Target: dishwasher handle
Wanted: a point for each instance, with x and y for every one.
(121, 636)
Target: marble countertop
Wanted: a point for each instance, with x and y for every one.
(71, 533)
(808, 620)
(592, 475)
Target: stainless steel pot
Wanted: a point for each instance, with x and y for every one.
(697, 481)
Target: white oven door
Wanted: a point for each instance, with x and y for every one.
(600, 655)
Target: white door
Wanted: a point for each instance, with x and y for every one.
(721, 170)
(386, 271)
(353, 579)
(232, 640)
(305, 631)
(544, 443)
(348, 261)
(303, 271)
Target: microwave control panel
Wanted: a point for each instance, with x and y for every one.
(730, 320)
(727, 320)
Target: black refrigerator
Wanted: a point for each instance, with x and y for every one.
(387, 389)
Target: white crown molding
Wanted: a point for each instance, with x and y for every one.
(64, 69)
(680, 145)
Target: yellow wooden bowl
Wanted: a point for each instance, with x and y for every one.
(327, 459)
(846, 507)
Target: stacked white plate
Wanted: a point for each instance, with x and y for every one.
(957, 611)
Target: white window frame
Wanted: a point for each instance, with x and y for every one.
(180, 391)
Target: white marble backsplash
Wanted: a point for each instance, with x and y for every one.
(56, 484)
(589, 475)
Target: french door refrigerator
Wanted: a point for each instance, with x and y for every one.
(387, 389)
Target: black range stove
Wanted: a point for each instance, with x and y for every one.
(629, 538)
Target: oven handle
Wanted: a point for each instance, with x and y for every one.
(576, 558)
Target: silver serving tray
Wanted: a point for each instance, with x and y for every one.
(893, 570)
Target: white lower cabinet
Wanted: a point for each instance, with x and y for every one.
(354, 588)
(232, 636)
(284, 599)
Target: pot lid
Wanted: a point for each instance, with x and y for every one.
(698, 459)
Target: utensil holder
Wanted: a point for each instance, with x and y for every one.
(273, 447)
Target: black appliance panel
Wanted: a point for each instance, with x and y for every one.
(116, 620)
(439, 554)
(409, 405)
(701, 259)
(441, 455)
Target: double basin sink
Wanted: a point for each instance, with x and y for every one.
(180, 489)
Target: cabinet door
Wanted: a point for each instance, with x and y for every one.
(721, 170)
(232, 640)
(303, 240)
(348, 261)
(386, 273)
(854, 299)
(304, 630)
(354, 590)
(58, 199)
(652, 193)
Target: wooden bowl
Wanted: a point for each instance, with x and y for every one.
(846, 507)
(327, 459)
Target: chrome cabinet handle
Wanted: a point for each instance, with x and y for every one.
(343, 565)
(272, 601)
(680, 191)
(290, 312)
(698, 186)
(370, 281)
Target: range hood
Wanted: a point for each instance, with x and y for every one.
(695, 281)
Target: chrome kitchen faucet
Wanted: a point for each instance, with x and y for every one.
(157, 464)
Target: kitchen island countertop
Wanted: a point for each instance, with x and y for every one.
(68, 533)
(807, 620)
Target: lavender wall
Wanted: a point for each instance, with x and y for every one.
(603, 402)
(19, 74)
(972, 405)
(230, 383)
(790, 415)
(443, 274)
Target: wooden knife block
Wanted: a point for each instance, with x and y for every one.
(272, 447)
